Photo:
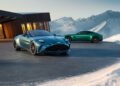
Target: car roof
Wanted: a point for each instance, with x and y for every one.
(85, 31)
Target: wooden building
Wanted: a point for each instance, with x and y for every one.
(12, 24)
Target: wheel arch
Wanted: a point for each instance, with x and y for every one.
(17, 41)
(69, 36)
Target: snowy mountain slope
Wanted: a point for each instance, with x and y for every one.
(112, 27)
(114, 38)
(109, 19)
(63, 25)
(99, 27)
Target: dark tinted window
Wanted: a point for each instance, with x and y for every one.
(35, 33)
(84, 32)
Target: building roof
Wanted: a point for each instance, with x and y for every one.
(35, 17)
(6, 16)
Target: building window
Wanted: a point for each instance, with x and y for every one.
(34, 26)
(1, 32)
(29, 26)
(41, 25)
(23, 28)
(46, 25)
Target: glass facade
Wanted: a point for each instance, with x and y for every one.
(34, 26)
(1, 32)
(46, 25)
(29, 26)
(13, 24)
(23, 28)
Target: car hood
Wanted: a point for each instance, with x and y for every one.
(49, 39)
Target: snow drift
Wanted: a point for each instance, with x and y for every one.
(113, 38)
(109, 76)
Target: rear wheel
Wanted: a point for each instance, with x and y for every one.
(95, 40)
(33, 49)
(16, 47)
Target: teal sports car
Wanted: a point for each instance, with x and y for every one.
(41, 41)
(85, 36)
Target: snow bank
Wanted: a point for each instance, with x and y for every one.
(114, 38)
(109, 76)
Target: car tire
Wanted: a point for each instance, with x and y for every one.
(95, 40)
(16, 47)
(33, 49)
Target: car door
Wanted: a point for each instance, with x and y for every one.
(77, 37)
(25, 41)
(83, 36)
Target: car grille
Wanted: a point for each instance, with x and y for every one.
(59, 47)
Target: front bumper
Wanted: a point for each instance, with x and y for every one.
(54, 48)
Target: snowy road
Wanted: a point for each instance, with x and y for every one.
(18, 68)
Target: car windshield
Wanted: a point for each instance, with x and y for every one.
(35, 33)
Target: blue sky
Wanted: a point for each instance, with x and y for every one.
(61, 8)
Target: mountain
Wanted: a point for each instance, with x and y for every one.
(107, 23)
(63, 25)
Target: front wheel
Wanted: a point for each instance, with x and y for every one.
(16, 47)
(33, 49)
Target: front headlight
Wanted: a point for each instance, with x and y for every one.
(41, 41)
(66, 40)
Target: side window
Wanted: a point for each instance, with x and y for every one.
(81, 33)
(87, 32)
(84, 32)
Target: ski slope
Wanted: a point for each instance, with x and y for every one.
(99, 27)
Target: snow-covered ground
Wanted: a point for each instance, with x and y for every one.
(114, 38)
(109, 76)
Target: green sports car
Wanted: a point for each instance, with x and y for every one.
(85, 36)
